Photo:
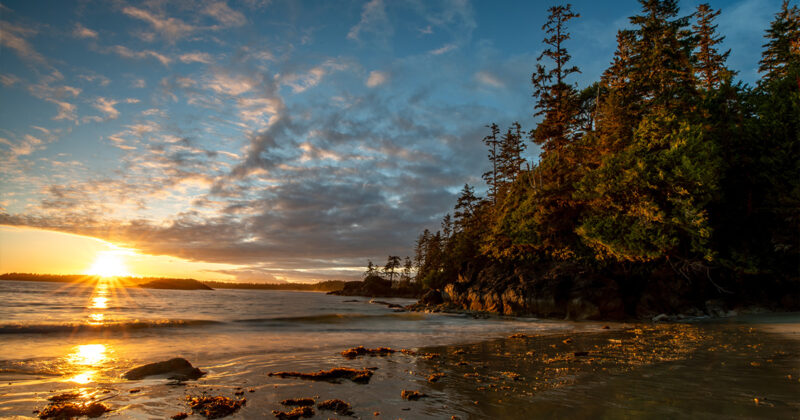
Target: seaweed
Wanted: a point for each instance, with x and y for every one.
(294, 414)
(215, 407)
(361, 376)
(298, 401)
(361, 351)
(339, 406)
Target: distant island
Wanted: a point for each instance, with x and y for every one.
(175, 283)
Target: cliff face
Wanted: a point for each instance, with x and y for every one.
(572, 292)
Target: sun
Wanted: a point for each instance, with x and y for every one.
(108, 264)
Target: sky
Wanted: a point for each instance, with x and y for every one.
(274, 140)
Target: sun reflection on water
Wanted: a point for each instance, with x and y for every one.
(86, 359)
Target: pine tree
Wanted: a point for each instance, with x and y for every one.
(392, 263)
(490, 177)
(465, 208)
(781, 53)
(555, 99)
(510, 159)
(408, 266)
(372, 269)
(709, 63)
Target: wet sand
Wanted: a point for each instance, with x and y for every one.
(700, 370)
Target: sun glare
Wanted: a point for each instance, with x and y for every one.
(108, 264)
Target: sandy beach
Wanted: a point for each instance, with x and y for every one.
(730, 369)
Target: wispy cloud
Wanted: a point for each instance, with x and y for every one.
(489, 79)
(126, 52)
(443, 49)
(377, 78)
(171, 29)
(196, 57)
(81, 31)
(226, 16)
(373, 20)
(13, 37)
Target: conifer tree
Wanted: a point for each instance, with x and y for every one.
(493, 143)
(465, 208)
(781, 53)
(709, 63)
(555, 99)
(392, 263)
(510, 159)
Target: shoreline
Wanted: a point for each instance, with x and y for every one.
(626, 370)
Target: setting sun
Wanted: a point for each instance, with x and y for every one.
(108, 265)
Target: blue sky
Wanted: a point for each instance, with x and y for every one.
(293, 140)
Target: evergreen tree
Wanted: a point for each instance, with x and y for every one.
(447, 226)
(465, 208)
(781, 55)
(392, 263)
(709, 63)
(372, 269)
(510, 159)
(490, 177)
(408, 266)
(555, 99)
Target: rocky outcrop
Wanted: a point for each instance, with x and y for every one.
(376, 286)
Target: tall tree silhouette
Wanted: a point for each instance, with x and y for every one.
(555, 99)
(709, 63)
(781, 53)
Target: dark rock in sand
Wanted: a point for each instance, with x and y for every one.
(339, 406)
(178, 368)
(180, 416)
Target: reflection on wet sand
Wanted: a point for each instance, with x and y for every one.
(87, 359)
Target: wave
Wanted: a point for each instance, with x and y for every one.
(69, 328)
(336, 318)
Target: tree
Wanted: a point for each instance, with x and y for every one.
(372, 269)
(555, 99)
(420, 250)
(709, 63)
(392, 263)
(465, 208)
(407, 267)
(490, 177)
(447, 226)
(510, 159)
(782, 51)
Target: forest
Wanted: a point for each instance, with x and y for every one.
(667, 174)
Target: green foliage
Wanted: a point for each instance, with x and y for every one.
(664, 162)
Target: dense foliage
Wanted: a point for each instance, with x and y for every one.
(666, 163)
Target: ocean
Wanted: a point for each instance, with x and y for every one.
(81, 338)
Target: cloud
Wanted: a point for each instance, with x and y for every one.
(8, 79)
(226, 16)
(66, 110)
(13, 37)
(377, 78)
(489, 79)
(426, 30)
(128, 53)
(170, 28)
(373, 20)
(81, 31)
(106, 106)
(443, 49)
(230, 84)
(196, 57)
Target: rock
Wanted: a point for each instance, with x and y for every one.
(295, 413)
(579, 309)
(177, 368)
(660, 318)
(300, 402)
(411, 395)
(361, 351)
(339, 406)
(361, 376)
(431, 298)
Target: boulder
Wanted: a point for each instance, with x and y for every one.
(177, 368)
(432, 297)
